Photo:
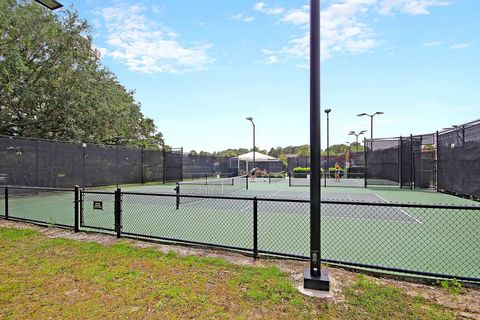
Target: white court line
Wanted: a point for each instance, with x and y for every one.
(275, 193)
(401, 210)
(250, 207)
(354, 206)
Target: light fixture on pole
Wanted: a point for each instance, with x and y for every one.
(353, 133)
(251, 120)
(371, 121)
(50, 4)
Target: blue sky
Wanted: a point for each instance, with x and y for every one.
(199, 67)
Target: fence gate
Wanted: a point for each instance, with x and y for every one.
(97, 210)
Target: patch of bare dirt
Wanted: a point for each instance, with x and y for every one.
(466, 305)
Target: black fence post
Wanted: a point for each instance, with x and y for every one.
(246, 182)
(118, 212)
(6, 203)
(400, 161)
(435, 175)
(76, 208)
(164, 169)
(412, 163)
(365, 153)
(181, 169)
(143, 166)
(177, 198)
(255, 228)
(81, 207)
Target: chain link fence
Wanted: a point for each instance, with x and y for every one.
(423, 240)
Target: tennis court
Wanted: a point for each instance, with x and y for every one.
(362, 226)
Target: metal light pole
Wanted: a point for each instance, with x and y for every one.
(251, 120)
(327, 164)
(353, 133)
(313, 277)
(50, 4)
(371, 122)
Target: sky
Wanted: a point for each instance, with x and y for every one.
(199, 67)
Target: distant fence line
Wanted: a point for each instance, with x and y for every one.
(447, 161)
(44, 163)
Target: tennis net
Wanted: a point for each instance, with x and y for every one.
(213, 187)
(276, 177)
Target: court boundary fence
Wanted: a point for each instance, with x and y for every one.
(120, 199)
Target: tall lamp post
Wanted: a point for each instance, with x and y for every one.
(353, 133)
(314, 277)
(251, 120)
(371, 122)
(327, 163)
(50, 4)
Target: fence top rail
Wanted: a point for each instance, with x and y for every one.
(99, 192)
(78, 143)
(36, 188)
(460, 127)
(376, 204)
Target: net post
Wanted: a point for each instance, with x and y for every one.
(118, 212)
(289, 179)
(255, 228)
(6, 203)
(177, 197)
(76, 209)
(246, 182)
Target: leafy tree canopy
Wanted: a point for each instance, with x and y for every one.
(54, 87)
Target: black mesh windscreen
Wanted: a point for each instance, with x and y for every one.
(458, 162)
(382, 162)
(199, 166)
(152, 166)
(173, 165)
(424, 153)
(43, 163)
(406, 176)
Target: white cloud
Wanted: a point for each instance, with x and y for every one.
(242, 17)
(432, 44)
(149, 47)
(297, 17)
(344, 25)
(460, 46)
(272, 60)
(259, 6)
(412, 7)
(262, 7)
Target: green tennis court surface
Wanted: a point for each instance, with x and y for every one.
(437, 240)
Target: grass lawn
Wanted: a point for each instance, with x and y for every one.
(56, 278)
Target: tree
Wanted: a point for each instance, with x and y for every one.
(303, 151)
(54, 87)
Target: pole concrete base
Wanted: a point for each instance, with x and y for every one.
(321, 283)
